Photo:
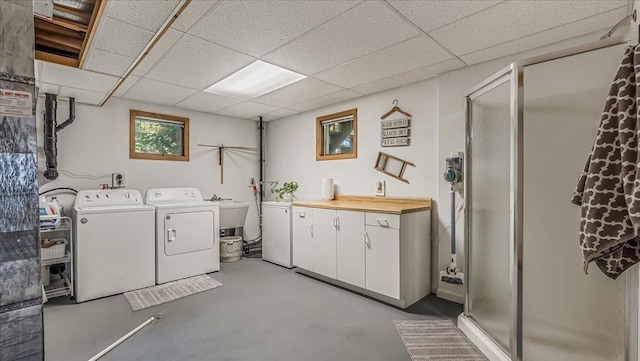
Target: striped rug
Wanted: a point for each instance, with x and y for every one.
(170, 291)
(436, 340)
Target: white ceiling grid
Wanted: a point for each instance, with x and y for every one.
(346, 48)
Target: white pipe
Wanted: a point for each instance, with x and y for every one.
(121, 339)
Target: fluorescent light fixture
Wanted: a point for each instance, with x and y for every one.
(255, 79)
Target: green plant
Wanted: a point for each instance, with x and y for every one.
(287, 188)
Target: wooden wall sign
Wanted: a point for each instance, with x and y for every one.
(395, 132)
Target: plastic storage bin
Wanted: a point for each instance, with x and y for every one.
(55, 251)
(230, 249)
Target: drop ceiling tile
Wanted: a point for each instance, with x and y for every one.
(197, 64)
(298, 92)
(281, 113)
(247, 110)
(77, 78)
(362, 30)
(83, 96)
(402, 57)
(506, 21)
(126, 85)
(108, 63)
(409, 77)
(147, 90)
(194, 12)
(207, 102)
(146, 14)
(327, 100)
(48, 88)
(164, 44)
(121, 38)
(430, 15)
(257, 27)
(603, 21)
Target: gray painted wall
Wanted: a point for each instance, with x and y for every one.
(21, 331)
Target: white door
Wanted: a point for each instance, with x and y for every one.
(350, 247)
(302, 237)
(188, 232)
(383, 260)
(324, 242)
(276, 235)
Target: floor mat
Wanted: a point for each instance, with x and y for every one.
(436, 340)
(170, 291)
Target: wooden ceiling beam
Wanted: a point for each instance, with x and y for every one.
(75, 44)
(57, 46)
(63, 23)
(98, 10)
(54, 58)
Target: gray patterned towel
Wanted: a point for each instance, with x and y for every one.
(609, 186)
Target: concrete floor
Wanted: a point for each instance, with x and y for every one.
(263, 312)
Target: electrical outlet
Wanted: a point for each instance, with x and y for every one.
(252, 181)
(118, 180)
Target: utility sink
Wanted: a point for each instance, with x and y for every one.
(232, 213)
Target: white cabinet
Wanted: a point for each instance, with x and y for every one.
(350, 246)
(302, 226)
(383, 260)
(276, 233)
(383, 255)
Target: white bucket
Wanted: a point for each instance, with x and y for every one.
(230, 249)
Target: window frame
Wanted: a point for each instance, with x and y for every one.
(160, 117)
(320, 136)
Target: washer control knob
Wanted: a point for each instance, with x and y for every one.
(157, 194)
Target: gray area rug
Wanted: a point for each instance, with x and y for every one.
(170, 291)
(436, 340)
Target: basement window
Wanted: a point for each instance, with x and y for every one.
(158, 136)
(337, 135)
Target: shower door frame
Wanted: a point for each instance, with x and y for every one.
(514, 74)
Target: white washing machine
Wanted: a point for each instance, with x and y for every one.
(187, 233)
(114, 243)
(277, 243)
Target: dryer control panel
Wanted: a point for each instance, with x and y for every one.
(178, 195)
(108, 197)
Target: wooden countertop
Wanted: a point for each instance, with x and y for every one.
(371, 204)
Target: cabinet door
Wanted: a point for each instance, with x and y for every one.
(276, 235)
(350, 247)
(383, 261)
(324, 242)
(303, 237)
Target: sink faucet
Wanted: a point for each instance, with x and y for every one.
(215, 198)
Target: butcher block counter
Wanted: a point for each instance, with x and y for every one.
(387, 205)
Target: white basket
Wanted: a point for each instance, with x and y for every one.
(55, 251)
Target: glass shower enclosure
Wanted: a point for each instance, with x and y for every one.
(529, 129)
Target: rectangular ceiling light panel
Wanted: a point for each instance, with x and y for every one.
(255, 79)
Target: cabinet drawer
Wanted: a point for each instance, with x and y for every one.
(383, 220)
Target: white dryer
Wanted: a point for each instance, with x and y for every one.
(114, 243)
(187, 233)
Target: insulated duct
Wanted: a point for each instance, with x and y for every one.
(51, 128)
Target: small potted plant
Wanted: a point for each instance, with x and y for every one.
(286, 192)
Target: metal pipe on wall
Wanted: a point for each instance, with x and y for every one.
(51, 128)
(50, 137)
